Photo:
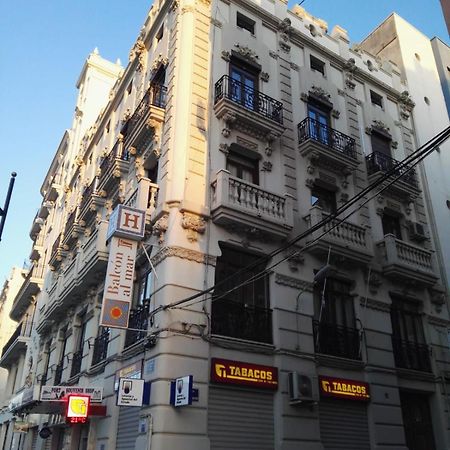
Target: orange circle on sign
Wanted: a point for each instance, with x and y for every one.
(116, 312)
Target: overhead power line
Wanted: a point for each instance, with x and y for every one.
(389, 178)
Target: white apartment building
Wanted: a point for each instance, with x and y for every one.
(236, 126)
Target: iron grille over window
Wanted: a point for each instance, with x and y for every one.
(101, 346)
(335, 330)
(243, 312)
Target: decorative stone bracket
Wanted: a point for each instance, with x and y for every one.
(194, 225)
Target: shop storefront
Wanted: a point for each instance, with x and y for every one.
(240, 405)
(343, 414)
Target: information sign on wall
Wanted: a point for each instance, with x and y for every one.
(133, 392)
(181, 391)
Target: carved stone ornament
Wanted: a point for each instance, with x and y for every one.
(175, 4)
(394, 145)
(264, 77)
(378, 125)
(160, 227)
(300, 285)
(406, 104)
(273, 55)
(226, 55)
(437, 297)
(126, 115)
(321, 93)
(246, 52)
(294, 66)
(335, 113)
(224, 148)
(267, 166)
(160, 61)
(138, 51)
(194, 225)
(184, 253)
(295, 259)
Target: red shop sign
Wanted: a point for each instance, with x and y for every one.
(225, 371)
(342, 388)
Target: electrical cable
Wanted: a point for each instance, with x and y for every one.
(403, 167)
(335, 225)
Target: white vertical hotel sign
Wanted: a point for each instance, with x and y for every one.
(126, 228)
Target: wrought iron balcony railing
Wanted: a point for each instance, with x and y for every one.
(76, 363)
(155, 96)
(380, 162)
(117, 152)
(241, 321)
(138, 322)
(312, 129)
(22, 330)
(58, 373)
(101, 346)
(248, 98)
(411, 355)
(336, 340)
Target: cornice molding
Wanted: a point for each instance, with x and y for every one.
(183, 253)
(296, 283)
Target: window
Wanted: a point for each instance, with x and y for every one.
(143, 288)
(130, 88)
(324, 198)
(316, 64)
(243, 167)
(391, 225)
(243, 312)
(376, 99)
(319, 124)
(244, 85)
(335, 325)
(380, 144)
(245, 23)
(160, 34)
(408, 340)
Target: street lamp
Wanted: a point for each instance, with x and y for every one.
(4, 210)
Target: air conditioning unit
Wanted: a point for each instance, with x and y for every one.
(417, 232)
(302, 389)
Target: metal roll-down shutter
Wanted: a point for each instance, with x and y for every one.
(128, 427)
(240, 419)
(344, 425)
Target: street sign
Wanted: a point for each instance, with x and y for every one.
(60, 393)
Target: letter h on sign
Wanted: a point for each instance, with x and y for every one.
(127, 222)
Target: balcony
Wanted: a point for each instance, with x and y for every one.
(38, 223)
(336, 340)
(58, 373)
(349, 241)
(149, 114)
(137, 324)
(92, 200)
(73, 229)
(44, 210)
(77, 359)
(326, 146)
(241, 321)
(246, 206)
(113, 168)
(84, 270)
(247, 109)
(401, 260)
(57, 254)
(53, 189)
(16, 344)
(411, 355)
(30, 288)
(145, 197)
(101, 347)
(38, 249)
(379, 163)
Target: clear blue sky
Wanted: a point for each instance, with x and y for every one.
(42, 48)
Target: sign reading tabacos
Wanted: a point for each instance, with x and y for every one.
(126, 226)
(236, 372)
(340, 388)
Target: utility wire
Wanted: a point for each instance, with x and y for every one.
(267, 270)
(403, 167)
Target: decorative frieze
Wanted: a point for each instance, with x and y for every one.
(183, 253)
(296, 283)
(374, 304)
(138, 51)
